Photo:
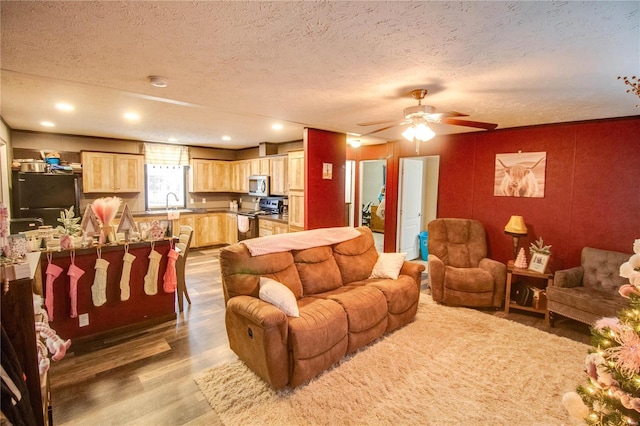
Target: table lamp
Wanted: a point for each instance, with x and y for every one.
(516, 228)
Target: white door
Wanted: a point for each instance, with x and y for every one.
(410, 206)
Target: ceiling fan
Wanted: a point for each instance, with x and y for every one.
(420, 115)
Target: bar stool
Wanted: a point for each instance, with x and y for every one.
(183, 244)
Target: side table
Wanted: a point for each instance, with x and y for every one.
(508, 304)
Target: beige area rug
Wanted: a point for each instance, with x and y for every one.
(451, 366)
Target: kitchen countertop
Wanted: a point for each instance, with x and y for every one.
(275, 217)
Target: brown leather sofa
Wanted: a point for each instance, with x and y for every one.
(588, 292)
(460, 274)
(341, 309)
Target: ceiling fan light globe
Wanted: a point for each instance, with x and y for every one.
(409, 133)
(423, 132)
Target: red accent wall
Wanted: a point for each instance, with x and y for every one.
(592, 191)
(324, 198)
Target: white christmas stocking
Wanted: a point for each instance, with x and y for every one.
(125, 290)
(99, 287)
(151, 279)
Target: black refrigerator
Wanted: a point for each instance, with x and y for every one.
(44, 195)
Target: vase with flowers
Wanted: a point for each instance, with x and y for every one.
(105, 209)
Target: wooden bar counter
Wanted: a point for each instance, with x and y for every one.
(138, 311)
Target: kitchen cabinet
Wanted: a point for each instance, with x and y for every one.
(209, 176)
(259, 166)
(231, 228)
(240, 176)
(105, 172)
(296, 211)
(296, 190)
(296, 171)
(210, 229)
(271, 227)
(279, 175)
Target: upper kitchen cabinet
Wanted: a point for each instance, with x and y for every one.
(259, 166)
(240, 176)
(296, 171)
(112, 173)
(279, 175)
(209, 176)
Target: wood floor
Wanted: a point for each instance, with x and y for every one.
(146, 377)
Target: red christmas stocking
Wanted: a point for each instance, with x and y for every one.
(52, 272)
(170, 278)
(74, 275)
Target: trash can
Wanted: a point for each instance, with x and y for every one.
(424, 238)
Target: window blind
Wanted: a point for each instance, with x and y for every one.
(166, 155)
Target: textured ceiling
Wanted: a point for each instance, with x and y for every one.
(234, 68)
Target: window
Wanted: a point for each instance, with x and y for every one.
(160, 181)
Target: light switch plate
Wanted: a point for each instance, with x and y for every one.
(83, 320)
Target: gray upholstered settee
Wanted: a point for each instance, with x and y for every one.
(590, 291)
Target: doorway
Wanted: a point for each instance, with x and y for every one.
(373, 178)
(417, 201)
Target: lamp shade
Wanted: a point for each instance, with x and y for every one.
(516, 226)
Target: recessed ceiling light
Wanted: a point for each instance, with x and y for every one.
(356, 143)
(173, 140)
(226, 138)
(276, 126)
(62, 106)
(157, 81)
(47, 124)
(131, 116)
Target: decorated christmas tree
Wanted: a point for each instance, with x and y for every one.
(611, 395)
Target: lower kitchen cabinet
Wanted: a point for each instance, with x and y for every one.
(296, 211)
(210, 229)
(231, 229)
(271, 227)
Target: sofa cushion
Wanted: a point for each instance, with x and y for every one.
(317, 269)
(401, 294)
(356, 257)
(241, 272)
(279, 295)
(322, 324)
(388, 265)
(602, 269)
(366, 309)
(598, 303)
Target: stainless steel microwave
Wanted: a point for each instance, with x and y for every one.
(259, 186)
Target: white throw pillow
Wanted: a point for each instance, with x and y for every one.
(388, 265)
(279, 295)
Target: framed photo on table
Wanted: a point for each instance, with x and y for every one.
(539, 262)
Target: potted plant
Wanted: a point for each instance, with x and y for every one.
(69, 229)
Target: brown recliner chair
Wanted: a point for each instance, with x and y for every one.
(460, 274)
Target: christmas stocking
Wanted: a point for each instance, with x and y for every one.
(99, 287)
(170, 278)
(151, 279)
(125, 290)
(52, 272)
(74, 275)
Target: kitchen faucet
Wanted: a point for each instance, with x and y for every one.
(174, 196)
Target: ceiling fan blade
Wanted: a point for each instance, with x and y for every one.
(373, 123)
(468, 123)
(386, 128)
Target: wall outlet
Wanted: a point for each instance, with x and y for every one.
(204, 200)
(83, 320)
